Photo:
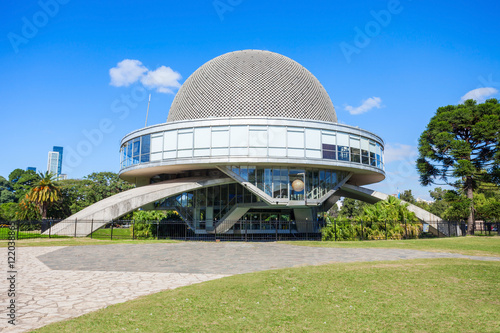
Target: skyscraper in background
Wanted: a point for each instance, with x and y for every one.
(31, 169)
(60, 158)
(53, 162)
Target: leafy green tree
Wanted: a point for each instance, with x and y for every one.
(460, 147)
(407, 196)
(105, 184)
(21, 182)
(6, 194)
(439, 206)
(352, 208)
(8, 211)
(28, 210)
(44, 193)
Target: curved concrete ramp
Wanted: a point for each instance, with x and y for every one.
(122, 203)
(371, 196)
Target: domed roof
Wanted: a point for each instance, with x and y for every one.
(252, 83)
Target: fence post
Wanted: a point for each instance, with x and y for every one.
(76, 222)
(91, 229)
(449, 229)
(50, 227)
(112, 229)
(385, 229)
(157, 230)
(17, 234)
(246, 232)
(133, 229)
(335, 224)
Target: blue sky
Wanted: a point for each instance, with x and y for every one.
(387, 65)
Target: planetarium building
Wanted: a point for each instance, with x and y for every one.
(251, 136)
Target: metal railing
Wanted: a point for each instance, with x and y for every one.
(242, 230)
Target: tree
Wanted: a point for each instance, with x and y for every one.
(21, 182)
(6, 194)
(460, 147)
(352, 208)
(439, 206)
(45, 193)
(8, 211)
(407, 196)
(105, 184)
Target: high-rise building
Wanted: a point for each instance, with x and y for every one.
(31, 169)
(59, 161)
(53, 162)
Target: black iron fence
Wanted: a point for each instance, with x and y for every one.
(239, 230)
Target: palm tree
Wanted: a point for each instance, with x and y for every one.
(45, 192)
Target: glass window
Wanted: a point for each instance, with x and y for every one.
(260, 179)
(329, 151)
(365, 157)
(322, 185)
(355, 155)
(268, 182)
(210, 197)
(251, 175)
(223, 195)
(276, 183)
(343, 153)
(244, 172)
(284, 183)
(296, 179)
(373, 161)
(328, 180)
(136, 147)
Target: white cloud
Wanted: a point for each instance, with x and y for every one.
(126, 72)
(399, 152)
(163, 79)
(479, 94)
(366, 105)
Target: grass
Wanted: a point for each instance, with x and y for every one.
(470, 245)
(117, 233)
(437, 295)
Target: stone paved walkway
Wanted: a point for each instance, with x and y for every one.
(56, 283)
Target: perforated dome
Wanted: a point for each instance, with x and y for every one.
(252, 83)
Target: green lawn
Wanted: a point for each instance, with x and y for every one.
(437, 295)
(118, 233)
(470, 245)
